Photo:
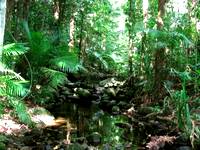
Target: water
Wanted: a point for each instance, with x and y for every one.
(91, 119)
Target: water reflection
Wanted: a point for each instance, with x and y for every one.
(91, 119)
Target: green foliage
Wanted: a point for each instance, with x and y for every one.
(56, 78)
(13, 86)
(180, 99)
(67, 63)
(49, 64)
(102, 60)
(3, 139)
(21, 111)
(14, 49)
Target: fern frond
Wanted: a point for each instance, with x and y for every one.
(67, 63)
(14, 49)
(39, 43)
(55, 78)
(100, 58)
(186, 41)
(16, 88)
(21, 110)
(5, 71)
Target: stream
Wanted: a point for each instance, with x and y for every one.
(96, 127)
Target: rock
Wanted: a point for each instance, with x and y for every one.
(47, 147)
(99, 89)
(145, 110)
(66, 91)
(119, 147)
(62, 97)
(110, 82)
(128, 146)
(115, 110)
(105, 97)
(106, 147)
(25, 148)
(112, 102)
(74, 146)
(123, 105)
(94, 139)
(184, 148)
(110, 92)
(84, 93)
(72, 85)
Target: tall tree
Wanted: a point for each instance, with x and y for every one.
(145, 12)
(159, 54)
(130, 34)
(72, 26)
(2, 24)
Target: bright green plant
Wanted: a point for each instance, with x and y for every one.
(50, 64)
(13, 86)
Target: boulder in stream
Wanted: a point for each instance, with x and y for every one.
(83, 93)
(94, 139)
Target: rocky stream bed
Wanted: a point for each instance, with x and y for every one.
(100, 116)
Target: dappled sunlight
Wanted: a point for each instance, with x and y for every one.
(178, 6)
(10, 127)
(99, 74)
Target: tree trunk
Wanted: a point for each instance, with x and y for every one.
(145, 12)
(144, 65)
(159, 63)
(71, 32)
(130, 32)
(26, 6)
(72, 25)
(2, 24)
(81, 34)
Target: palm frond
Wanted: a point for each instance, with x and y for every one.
(69, 63)
(104, 59)
(55, 78)
(6, 71)
(186, 41)
(39, 43)
(101, 60)
(14, 49)
(21, 110)
(11, 83)
(11, 87)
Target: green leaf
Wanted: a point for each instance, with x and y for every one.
(55, 78)
(14, 49)
(67, 63)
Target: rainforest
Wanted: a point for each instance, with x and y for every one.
(99, 74)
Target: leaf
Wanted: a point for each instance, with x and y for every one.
(14, 49)
(67, 63)
(54, 77)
